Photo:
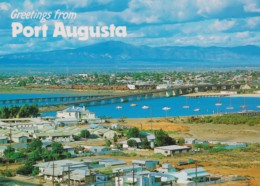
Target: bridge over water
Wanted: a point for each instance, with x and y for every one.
(90, 100)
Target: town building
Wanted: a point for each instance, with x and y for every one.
(171, 150)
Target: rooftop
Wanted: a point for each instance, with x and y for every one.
(172, 147)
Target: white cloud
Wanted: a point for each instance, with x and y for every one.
(242, 34)
(253, 22)
(222, 25)
(5, 6)
(251, 7)
(206, 7)
(28, 5)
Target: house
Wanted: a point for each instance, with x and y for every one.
(162, 86)
(20, 138)
(98, 149)
(190, 141)
(145, 178)
(191, 175)
(3, 140)
(110, 134)
(146, 164)
(111, 162)
(55, 136)
(125, 145)
(127, 169)
(166, 168)
(69, 149)
(171, 150)
(79, 113)
(60, 169)
(115, 126)
(77, 177)
(131, 87)
(65, 121)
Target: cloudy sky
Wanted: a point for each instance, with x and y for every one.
(149, 22)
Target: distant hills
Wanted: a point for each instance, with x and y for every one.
(114, 55)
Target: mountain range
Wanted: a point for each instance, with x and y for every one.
(115, 55)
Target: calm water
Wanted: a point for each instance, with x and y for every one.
(206, 105)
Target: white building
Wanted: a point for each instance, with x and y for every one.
(171, 150)
(76, 113)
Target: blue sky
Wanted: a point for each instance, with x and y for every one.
(149, 22)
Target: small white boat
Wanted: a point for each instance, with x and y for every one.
(185, 106)
(230, 108)
(133, 105)
(218, 104)
(145, 107)
(196, 110)
(119, 107)
(166, 108)
(258, 106)
(243, 106)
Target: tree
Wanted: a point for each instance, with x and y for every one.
(132, 133)
(57, 147)
(24, 111)
(11, 155)
(34, 110)
(27, 168)
(35, 144)
(145, 143)
(181, 141)
(115, 138)
(161, 138)
(4, 113)
(108, 143)
(131, 143)
(84, 134)
(13, 111)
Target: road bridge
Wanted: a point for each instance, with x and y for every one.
(91, 100)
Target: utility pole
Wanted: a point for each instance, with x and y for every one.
(53, 171)
(68, 174)
(196, 164)
(118, 178)
(133, 174)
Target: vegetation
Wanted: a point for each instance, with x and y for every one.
(162, 138)
(133, 133)
(84, 134)
(226, 119)
(35, 153)
(131, 143)
(108, 143)
(19, 112)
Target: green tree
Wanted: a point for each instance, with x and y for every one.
(27, 168)
(145, 143)
(13, 111)
(131, 143)
(108, 143)
(34, 145)
(24, 111)
(115, 138)
(84, 134)
(34, 110)
(181, 141)
(57, 148)
(162, 138)
(4, 113)
(133, 133)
